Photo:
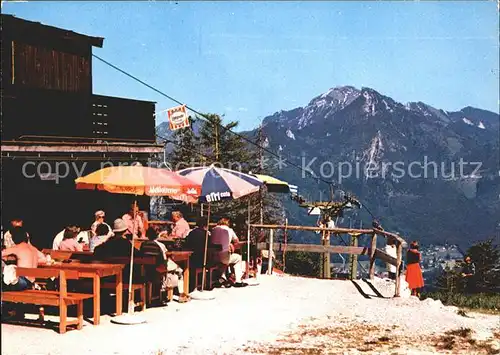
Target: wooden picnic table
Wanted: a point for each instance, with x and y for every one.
(96, 272)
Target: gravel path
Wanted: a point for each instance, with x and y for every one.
(255, 319)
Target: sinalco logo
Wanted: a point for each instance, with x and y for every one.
(192, 191)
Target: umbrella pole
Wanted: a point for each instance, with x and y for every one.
(130, 309)
(248, 241)
(204, 296)
(206, 248)
(254, 281)
(130, 318)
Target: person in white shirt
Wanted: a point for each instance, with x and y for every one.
(326, 223)
(390, 249)
(83, 236)
(225, 236)
(99, 219)
(7, 237)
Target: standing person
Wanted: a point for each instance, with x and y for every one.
(390, 249)
(69, 242)
(224, 236)
(181, 226)
(413, 272)
(468, 273)
(135, 225)
(7, 237)
(99, 219)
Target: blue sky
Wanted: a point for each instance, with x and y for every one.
(248, 60)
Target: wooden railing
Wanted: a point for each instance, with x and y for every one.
(328, 249)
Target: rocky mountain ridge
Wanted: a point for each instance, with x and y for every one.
(446, 187)
(428, 173)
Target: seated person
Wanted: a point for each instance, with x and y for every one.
(69, 242)
(7, 237)
(117, 245)
(195, 242)
(83, 236)
(264, 260)
(224, 236)
(102, 233)
(155, 248)
(99, 219)
(27, 256)
(180, 227)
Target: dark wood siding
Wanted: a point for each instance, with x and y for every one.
(61, 115)
(48, 206)
(45, 68)
(117, 118)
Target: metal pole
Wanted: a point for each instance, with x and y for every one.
(206, 247)
(130, 308)
(271, 241)
(248, 240)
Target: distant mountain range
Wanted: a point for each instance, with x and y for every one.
(364, 129)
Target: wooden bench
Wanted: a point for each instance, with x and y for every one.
(209, 279)
(142, 285)
(211, 267)
(61, 298)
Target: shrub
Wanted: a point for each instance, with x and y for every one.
(486, 301)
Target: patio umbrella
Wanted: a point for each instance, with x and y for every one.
(219, 184)
(139, 180)
(273, 184)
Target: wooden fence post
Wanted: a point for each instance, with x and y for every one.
(271, 241)
(399, 258)
(373, 248)
(325, 264)
(353, 260)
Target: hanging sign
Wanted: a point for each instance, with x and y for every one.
(178, 118)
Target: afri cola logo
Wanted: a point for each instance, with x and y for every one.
(217, 196)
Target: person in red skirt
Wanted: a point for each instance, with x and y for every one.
(413, 272)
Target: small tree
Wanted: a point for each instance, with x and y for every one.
(486, 256)
(186, 149)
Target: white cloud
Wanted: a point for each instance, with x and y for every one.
(242, 109)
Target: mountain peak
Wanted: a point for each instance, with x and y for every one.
(339, 96)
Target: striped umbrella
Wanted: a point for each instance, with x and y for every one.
(219, 184)
(273, 184)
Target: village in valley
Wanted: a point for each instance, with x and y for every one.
(134, 218)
